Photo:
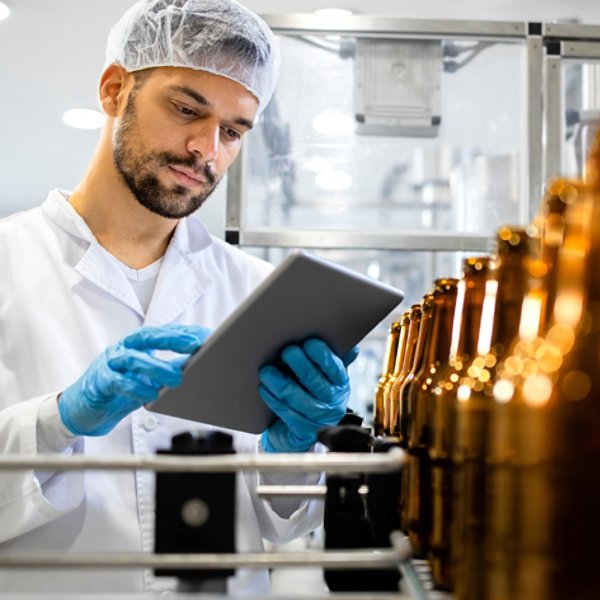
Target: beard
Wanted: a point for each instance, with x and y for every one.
(138, 169)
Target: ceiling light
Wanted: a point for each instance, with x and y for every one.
(83, 118)
(333, 181)
(4, 11)
(318, 164)
(333, 122)
(334, 12)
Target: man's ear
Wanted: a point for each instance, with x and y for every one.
(115, 84)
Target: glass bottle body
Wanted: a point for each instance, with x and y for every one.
(400, 352)
(469, 303)
(407, 363)
(499, 326)
(558, 428)
(406, 399)
(502, 528)
(387, 372)
(419, 473)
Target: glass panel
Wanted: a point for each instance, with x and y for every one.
(412, 272)
(582, 113)
(316, 163)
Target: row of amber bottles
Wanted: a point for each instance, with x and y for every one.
(471, 364)
(551, 415)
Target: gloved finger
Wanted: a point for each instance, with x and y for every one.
(184, 339)
(280, 385)
(129, 386)
(179, 361)
(308, 374)
(159, 371)
(352, 355)
(329, 362)
(294, 419)
(298, 401)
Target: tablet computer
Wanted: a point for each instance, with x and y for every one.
(305, 296)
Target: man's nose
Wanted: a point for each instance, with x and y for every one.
(204, 141)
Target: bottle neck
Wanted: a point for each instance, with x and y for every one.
(421, 349)
(500, 325)
(401, 351)
(467, 320)
(411, 344)
(391, 349)
(446, 308)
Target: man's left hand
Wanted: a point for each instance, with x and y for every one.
(313, 395)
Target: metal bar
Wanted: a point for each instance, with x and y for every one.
(417, 578)
(571, 30)
(235, 192)
(580, 50)
(376, 240)
(349, 559)
(380, 26)
(309, 492)
(535, 126)
(312, 492)
(309, 463)
(554, 117)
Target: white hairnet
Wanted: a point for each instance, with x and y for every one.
(218, 36)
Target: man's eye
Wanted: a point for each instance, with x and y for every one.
(184, 110)
(232, 134)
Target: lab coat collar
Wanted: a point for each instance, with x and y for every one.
(181, 280)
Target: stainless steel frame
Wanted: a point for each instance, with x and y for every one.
(533, 184)
(372, 240)
(366, 26)
(566, 31)
(554, 117)
(333, 462)
(582, 44)
(374, 558)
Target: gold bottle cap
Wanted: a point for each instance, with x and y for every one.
(395, 326)
(428, 302)
(445, 285)
(476, 265)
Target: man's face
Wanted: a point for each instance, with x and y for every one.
(177, 134)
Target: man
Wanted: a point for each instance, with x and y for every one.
(95, 282)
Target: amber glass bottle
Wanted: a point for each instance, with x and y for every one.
(465, 329)
(388, 370)
(399, 361)
(501, 314)
(558, 428)
(405, 393)
(419, 439)
(538, 303)
(407, 362)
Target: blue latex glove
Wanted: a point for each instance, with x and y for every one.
(126, 376)
(315, 398)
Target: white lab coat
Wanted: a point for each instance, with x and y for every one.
(62, 301)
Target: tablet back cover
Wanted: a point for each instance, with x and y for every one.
(305, 296)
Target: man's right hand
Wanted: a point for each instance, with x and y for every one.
(126, 376)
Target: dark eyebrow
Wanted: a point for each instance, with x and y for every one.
(200, 99)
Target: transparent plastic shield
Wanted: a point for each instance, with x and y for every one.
(330, 152)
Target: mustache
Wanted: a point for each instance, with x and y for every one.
(166, 159)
